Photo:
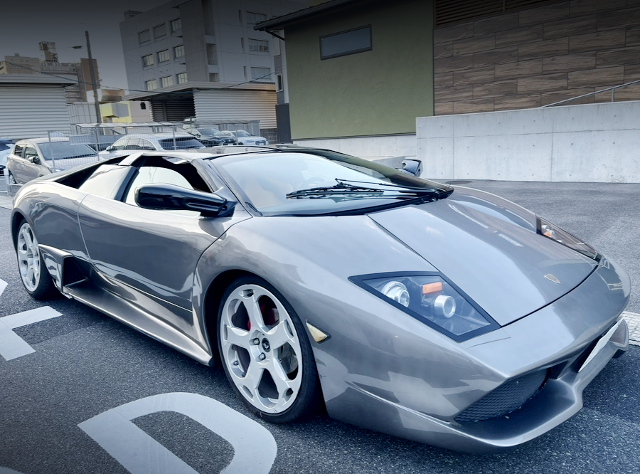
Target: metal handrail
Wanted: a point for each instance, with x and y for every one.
(612, 89)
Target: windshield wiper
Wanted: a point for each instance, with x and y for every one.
(343, 187)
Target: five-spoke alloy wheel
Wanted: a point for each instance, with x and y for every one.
(265, 351)
(34, 276)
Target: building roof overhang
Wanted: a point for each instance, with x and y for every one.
(42, 79)
(187, 89)
(281, 22)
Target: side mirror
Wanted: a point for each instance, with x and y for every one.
(170, 197)
(110, 148)
(34, 159)
(413, 167)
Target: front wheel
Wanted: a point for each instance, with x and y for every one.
(265, 352)
(34, 275)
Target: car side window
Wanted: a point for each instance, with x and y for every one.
(158, 175)
(120, 143)
(133, 144)
(30, 152)
(147, 145)
(105, 181)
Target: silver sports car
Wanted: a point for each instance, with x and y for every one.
(446, 316)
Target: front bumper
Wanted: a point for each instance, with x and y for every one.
(572, 339)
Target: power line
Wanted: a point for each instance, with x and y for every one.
(253, 81)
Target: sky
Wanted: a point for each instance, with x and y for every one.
(27, 22)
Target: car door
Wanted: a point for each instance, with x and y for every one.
(150, 256)
(31, 163)
(15, 162)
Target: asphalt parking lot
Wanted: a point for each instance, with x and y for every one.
(85, 364)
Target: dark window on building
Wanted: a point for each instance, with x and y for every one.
(260, 74)
(212, 57)
(176, 25)
(279, 84)
(259, 45)
(144, 37)
(346, 42)
(159, 31)
(254, 18)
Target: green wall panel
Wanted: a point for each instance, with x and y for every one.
(377, 92)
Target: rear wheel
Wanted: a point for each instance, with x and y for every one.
(265, 352)
(34, 275)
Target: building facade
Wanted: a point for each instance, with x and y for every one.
(48, 64)
(368, 68)
(357, 68)
(532, 53)
(200, 41)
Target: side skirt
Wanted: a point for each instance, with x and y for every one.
(103, 301)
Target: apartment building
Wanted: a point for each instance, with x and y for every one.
(175, 52)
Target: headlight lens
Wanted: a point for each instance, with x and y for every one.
(433, 300)
(563, 237)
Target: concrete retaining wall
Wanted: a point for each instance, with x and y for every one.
(584, 143)
(367, 147)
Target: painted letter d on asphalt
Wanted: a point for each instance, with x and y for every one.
(255, 449)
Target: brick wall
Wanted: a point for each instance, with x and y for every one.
(538, 56)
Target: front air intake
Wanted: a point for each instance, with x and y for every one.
(508, 397)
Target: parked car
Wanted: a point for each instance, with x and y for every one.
(444, 315)
(150, 142)
(245, 138)
(210, 136)
(6, 148)
(37, 157)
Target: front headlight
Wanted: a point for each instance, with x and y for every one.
(432, 299)
(563, 237)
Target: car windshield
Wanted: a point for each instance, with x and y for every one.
(299, 183)
(181, 143)
(64, 150)
(208, 131)
(243, 133)
(223, 134)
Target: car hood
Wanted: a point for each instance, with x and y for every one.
(489, 247)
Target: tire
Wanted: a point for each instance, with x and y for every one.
(33, 273)
(252, 312)
(12, 180)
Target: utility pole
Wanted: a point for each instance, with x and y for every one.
(94, 85)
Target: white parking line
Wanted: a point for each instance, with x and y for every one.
(6, 470)
(254, 448)
(3, 285)
(13, 346)
(633, 321)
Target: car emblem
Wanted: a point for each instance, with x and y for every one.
(552, 278)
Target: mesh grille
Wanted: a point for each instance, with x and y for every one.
(504, 399)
